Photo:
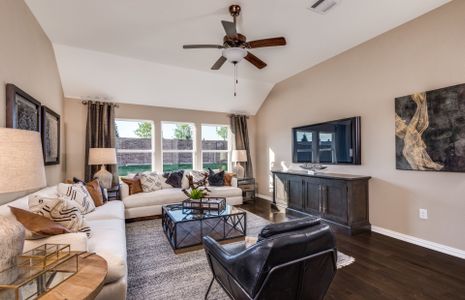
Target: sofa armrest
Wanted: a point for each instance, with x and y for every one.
(77, 241)
(234, 182)
(124, 190)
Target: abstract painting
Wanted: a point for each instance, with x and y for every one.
(430, 130)
(50, 136)
(22, 110)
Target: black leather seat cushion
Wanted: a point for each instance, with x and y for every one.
(293, 225)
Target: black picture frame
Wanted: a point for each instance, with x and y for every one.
(22, 110)
(50, 133)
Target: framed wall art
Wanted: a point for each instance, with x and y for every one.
(22, 110)
(430, 130)
(50, 136)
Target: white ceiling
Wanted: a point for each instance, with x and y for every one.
(131, 50)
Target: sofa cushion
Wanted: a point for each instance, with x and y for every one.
(37, 226)
(111, 210)
(134, 184)
(224, 191)
(109, 241)
(165, 196)
(174, 178)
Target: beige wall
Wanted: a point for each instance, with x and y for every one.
(27, 59)
(427, 53)
(75, 123)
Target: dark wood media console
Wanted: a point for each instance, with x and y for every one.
(339, 199)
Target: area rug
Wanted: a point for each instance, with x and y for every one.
(156, 272)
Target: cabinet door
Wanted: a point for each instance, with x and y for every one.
(334, 201)
(294, 192)
(280, 189)
(312, 196)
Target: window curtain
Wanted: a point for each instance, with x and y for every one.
(100, 133)
(241, 137)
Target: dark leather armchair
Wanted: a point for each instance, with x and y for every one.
(292, 260)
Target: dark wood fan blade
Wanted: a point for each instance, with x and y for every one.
(229, 27)
(278, 41)
(219, 63)
(255, 60)
(202, 46)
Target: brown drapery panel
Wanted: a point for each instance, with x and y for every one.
(241, 136)
(100, 133)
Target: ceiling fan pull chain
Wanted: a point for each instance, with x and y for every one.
(235, 79)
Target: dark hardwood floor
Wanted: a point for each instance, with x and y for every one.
(386, 268)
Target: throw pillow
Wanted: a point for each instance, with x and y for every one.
(78, 193)
(228, 178)
(215, 179)
(174, 178)
(134, 185)
(150, 182)
(37, 226)
(95, 191)
(199, 177)
(60, 210)
(103, 190)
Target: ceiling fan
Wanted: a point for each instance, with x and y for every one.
(235, 45)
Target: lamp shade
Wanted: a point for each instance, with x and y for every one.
(21, 161)
(239, 155)
(102, 156)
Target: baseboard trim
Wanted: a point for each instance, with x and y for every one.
(420, 242)
(269, 198)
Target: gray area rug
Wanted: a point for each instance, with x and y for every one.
(156, 272)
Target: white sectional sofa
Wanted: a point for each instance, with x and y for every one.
(149, 204)
(108, 240)
(107, 223)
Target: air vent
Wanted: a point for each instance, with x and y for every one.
(323, 6)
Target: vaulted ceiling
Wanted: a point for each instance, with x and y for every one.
(131, 50)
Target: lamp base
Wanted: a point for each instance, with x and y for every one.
(104, 177)
(239, 170)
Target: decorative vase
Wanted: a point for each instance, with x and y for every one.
(12, 235)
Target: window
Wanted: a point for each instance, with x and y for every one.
(178, 146)
(134, 146)
(215, 147)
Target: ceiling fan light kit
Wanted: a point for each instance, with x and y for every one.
(235, 46)
(235, 54)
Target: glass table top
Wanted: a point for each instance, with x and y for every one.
(177, 214)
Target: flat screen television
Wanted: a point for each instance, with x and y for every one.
(333, 142)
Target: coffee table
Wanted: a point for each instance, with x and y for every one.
(184, 229)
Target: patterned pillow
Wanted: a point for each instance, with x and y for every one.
(215, 179)
(103, 190)
(174, 178)
(150, 182)
(78, 193)
(199, 177)
(60, 210)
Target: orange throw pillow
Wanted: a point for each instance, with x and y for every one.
(93, 187)
(134, 184)
(37, 224)
(228, 178)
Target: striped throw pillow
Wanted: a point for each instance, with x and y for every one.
(78, 193)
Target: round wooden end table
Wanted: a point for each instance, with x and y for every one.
(85, 284)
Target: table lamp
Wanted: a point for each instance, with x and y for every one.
(103, 156)
(239, 156)
(22, 168)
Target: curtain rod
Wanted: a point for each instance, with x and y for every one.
(85, 102)
(233, 115)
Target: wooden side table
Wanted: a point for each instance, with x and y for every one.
(85, 284)
(247, 185)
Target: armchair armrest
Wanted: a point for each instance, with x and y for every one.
(234, 182)
(245, 267)
(77, 241)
